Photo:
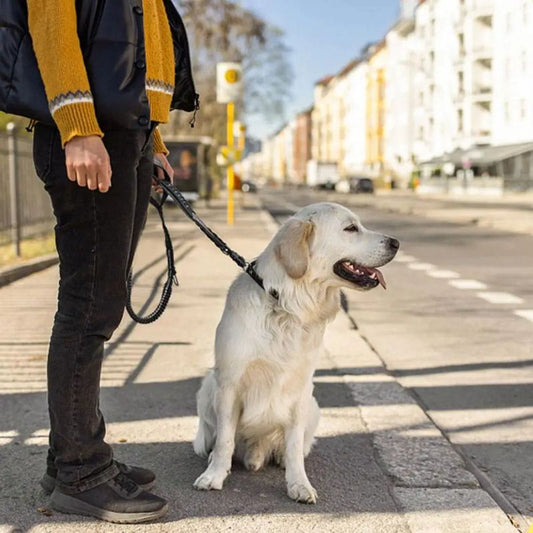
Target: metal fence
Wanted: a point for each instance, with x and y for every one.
(25, 209)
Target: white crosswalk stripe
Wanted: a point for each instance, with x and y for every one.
(467, 284)
(443, 274)
(525, 313)
(500, 298)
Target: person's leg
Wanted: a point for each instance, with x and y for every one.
(95, 235)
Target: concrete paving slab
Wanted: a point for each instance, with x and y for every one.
(452, 511)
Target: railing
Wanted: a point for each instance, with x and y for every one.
(25, 209)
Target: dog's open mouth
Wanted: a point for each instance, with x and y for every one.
(364, 277)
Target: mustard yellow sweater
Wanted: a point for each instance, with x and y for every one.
(52, 25)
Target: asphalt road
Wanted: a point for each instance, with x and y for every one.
(455, 327)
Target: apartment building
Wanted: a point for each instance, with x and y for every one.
(327, 118)
(375, 109)
(301, 144)
(438, 93)
(512, 72)
(354, 162)
(451, 81)
(402, 78)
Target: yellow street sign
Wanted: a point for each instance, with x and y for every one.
(229, 82)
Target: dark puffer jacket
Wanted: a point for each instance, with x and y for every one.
(111, 34)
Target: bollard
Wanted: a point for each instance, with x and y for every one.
(13, 186)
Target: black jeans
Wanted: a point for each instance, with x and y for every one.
(96, 236)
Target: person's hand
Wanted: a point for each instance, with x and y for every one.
(88, 163)
(170, 171)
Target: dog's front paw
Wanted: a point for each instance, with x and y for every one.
(301, 492)
(210, 480)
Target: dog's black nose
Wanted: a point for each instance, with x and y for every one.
(394, 244)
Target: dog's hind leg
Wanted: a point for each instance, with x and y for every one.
(204, 440)
(206, 435)
(227, 414)
(313, 417)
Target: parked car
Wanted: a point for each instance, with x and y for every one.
(328, 185)
(248, 186)
(361, 185)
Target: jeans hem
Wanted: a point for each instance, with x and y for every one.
(89, 482)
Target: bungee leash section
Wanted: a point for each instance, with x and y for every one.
(171, 190)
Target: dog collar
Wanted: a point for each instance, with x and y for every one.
(250, 270)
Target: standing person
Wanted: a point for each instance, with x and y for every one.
(98, 77)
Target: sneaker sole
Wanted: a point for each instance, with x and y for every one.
(48, 484)
(69, 505)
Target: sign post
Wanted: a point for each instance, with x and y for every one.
(229, 90)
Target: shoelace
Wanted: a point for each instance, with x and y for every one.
(125, 483)
(124, 468)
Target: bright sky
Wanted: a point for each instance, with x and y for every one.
(323, 36)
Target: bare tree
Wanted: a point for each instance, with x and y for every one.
(222, 30)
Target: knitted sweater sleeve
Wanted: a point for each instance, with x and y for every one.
(159, 145)
(53, 29)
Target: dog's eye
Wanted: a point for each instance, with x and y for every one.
(352, 228)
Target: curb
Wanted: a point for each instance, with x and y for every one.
(13, 273)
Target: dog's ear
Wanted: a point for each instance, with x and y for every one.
(292, 247)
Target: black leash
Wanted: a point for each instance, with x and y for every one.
(171, 190)
(171, 275)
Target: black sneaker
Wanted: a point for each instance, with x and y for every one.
(142, 476)
(118, 500)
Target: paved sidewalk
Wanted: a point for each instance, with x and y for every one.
(379, 465)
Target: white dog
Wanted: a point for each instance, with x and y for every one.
(258, 401)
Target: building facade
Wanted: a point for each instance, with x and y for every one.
(375, 109)
(302, 145)
(450, 79)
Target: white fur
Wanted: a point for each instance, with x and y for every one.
(257, 403)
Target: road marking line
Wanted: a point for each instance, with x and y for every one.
(443, 274)
(500, 298)
(404, 258)
(421, 266)
(467, 284)
(525, 313)
(6, 437)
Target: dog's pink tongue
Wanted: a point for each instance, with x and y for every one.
(380, 277)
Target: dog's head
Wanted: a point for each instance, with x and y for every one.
(327, 242)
